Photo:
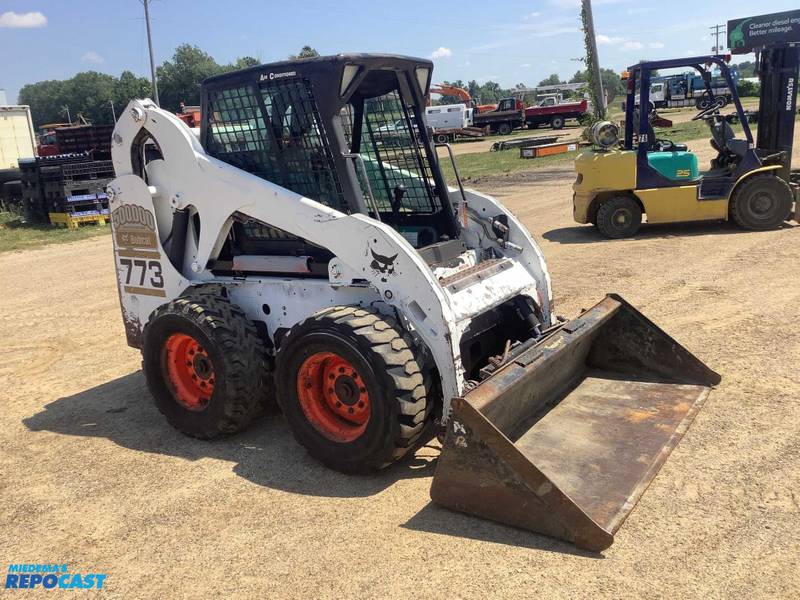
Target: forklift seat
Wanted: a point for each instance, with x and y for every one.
(724, 138)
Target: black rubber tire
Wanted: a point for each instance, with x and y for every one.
(504, 129)
(442, 138)
(557, 122)
(749, 196)
(400, 399)
(236, 351)
(610, 213)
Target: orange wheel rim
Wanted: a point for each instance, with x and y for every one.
(189, 371)
(333, 396)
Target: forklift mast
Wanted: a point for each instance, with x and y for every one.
(778, 67)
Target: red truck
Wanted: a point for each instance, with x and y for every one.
(550, 111)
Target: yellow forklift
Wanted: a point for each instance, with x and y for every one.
(749, 181)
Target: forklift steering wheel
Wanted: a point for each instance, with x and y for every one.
(704, 113)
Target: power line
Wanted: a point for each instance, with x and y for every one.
(717, 48)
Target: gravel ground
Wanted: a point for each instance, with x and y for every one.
(94, 477)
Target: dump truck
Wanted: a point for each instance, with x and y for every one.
(554, 113)
(509, 115)
(291, 253)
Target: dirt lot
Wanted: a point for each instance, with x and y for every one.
(94, 477)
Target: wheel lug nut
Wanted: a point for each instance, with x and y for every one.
(363, 390)
(360, 405)
(350, 410)
(341, 369)
(330, 390)
(331, 376)
(338, 404)
(194, 376)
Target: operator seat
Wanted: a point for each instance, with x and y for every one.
(724, 138)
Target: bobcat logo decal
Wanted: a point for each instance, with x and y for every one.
(382, 264)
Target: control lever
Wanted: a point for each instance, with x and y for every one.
(398, 192)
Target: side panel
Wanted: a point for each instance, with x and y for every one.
(675, 204)
(598, 172)
(145, 277)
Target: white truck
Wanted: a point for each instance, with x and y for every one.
(17, 139)
(450, 121)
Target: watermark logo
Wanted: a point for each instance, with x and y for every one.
(29, 576)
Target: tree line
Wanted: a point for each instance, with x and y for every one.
(91, 94)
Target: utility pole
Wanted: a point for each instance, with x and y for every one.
(69, 118)
(593, 61)
(718, 29)
(150, 47)
(113, 112)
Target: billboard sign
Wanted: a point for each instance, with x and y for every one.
(753, 32)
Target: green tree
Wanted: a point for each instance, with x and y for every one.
(243, 62)
(179, 79)
(747, 88)
(47, 100)
(88, 94)
(553, 79)
(746, 68)
(305, 52)
(612, 83)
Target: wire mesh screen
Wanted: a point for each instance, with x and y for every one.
(393, 154)
(275, 132)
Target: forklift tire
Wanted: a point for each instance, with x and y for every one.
(557, 122)
(442, 138)
(504, 129)
(204, 363)
(619, 217)
(352, 389)
(761, 202)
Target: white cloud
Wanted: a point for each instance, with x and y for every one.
(606, 39)
(29, 20)
(656, 44)
(526, 65)
(93, 57)
(532, 15)
(632, 46)
(441, 52)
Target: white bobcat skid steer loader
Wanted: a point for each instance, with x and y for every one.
(306, 240)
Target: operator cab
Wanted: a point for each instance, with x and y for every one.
(674, 162)
(341, 130)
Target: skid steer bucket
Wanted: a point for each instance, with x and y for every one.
(565, 438)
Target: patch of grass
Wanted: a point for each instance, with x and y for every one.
(15, 235)
(488, 165)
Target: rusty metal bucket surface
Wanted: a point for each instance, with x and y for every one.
(564, 439)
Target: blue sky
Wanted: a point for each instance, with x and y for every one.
(509, 41)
